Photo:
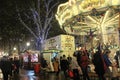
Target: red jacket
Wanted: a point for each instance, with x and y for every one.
(84, 61)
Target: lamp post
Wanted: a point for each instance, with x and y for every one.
(14, 48)
(29, 56)
(28, 44)
(15, 52)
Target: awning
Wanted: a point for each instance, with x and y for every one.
(52, 51)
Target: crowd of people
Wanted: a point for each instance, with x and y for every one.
(80, 61)
(75, 66)
(9, 66)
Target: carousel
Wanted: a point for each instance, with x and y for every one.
(92, 20)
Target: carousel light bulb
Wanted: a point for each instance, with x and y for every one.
(72, 2)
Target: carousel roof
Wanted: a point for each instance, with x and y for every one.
(81, 16)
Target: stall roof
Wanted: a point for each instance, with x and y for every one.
(52, 50)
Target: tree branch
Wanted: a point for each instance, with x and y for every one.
(38, 14)
(34, 13)
(48, 30)
(23, 23)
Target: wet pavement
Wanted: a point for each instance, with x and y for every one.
(27, 75)
(30, 75)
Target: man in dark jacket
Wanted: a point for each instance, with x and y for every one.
(99, 63)
(64, 65)
(117, 58)
(99, 66)
(17, 64)
(5, 66)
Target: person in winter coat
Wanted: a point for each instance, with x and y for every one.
(74, 67)
(84, 65)
(56, 65)
(114, 70)
(108, 62)
(5, 66)
(99, 65)
(64, 65)
(12, 67)
(117, 58)
(16, 64)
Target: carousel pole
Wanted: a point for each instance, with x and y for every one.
(119, 28)
(119, 40)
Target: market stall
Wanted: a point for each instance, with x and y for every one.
(58, 46)
(29, 58)
(49, 56)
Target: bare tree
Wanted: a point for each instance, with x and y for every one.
(37, 19)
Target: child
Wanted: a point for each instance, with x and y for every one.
(114, 70)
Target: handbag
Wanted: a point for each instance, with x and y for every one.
(70, 73)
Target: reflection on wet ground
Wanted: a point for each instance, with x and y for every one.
(30, 75)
